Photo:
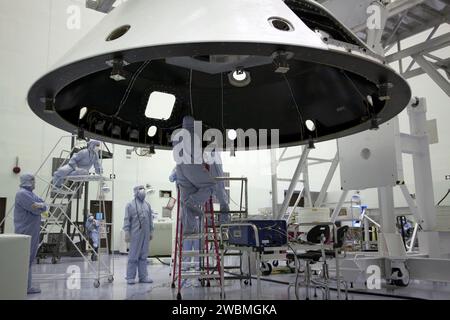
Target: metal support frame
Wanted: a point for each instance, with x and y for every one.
(413, 207)
(102, 269)
(273, 167)
(422, 165)
(421, 48)
(277, 214)
(306, 188)
(300, 168)
(416, 143)
(428, 239)
(365, 217)
(433, 72)
(418, 53)
(327, 182)
(410, 201)
(413, 238)
(400, 20)
(386, 203)
(423, 209)
(374, 35)
(366, 234)
(338, 207)
(243, 200)
(394, 8)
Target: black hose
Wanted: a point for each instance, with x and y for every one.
(162, 262)
(448, 192)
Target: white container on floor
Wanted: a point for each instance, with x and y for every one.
(14, 253)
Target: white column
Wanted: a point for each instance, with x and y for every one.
(423, 178)
(428, 238)
(307, 193)
(386, 203)
(366, 234)
(274, 166)
(390, 243)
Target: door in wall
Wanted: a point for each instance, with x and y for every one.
(2, 214)
(97, 206)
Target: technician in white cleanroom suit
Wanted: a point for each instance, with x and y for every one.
(195, 183)
(192, 227)
(138, 227)
(28, 208)
(80, 163)
(92, 228)
(193, 178)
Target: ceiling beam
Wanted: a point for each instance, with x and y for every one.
(434, 74)
(428, 46)
(444, 65)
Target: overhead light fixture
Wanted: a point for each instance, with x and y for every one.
(160, 105)
(310, 125)
(152, 131)
(232, 134)
(239, 75)
(239, 78)
(83, 112)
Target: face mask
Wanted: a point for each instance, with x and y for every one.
(141, 194)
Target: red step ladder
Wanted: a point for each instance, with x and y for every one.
(209, 236)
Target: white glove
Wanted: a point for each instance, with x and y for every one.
(127, 236)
